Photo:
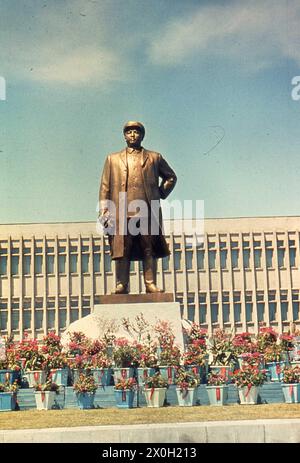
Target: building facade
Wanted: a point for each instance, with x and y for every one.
(244, 273)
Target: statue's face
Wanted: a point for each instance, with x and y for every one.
(133, 137)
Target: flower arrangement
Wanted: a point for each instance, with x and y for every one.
(291, 375)
(169, 353)
(155, 381)
(249, 375)
(51, 343)
(221, 348)
(36, 362)
(80, 362)
(266, 338)
(126, 384)
(252, 358)
(77, 344)
(195, 354)
(243, 343)
(56, 360)
(145, 353)
(48, 386)
(185, 380)
(286, 341)
(85, 384)
(216, 379)
(195, 333)
(273, 353)
(7, 387)
(123, 353)
(100, 360)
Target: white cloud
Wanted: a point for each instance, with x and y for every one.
(256, 34)
(61, 43)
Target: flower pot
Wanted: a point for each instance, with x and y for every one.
(33, 377)
(8, 401)
(44, 399)
(143, 373)
(275, 370)
(200, 371)
(59, 376)
(217, 395)
(102, 376)
(85, 400)
(224, 370)
(9, 375)
(124, 398)
(186, 397)
(248, 395)
(155, 397)
(291, 392)
(168, 373)
(122, 373)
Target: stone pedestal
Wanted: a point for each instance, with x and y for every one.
(113, 308)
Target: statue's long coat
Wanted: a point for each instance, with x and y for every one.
(114, 181)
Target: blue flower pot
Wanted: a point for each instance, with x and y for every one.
(144, 373)
(168, 373)
(102, 376)
(85, 400)
(124, 399)
(199, 371)
(275, 370)
(7, 401)
(9, 375)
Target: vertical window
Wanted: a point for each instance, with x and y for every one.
(166, 263)
(246, 254)
(292, 253)
(107, 259)
(257, 254)
(62, 312)
(62, 259)
(249, 307)
(203, 308)
(15, 314)
(38, 319)
(3, 315)
(74, 309)
(96, 258)
(225, 307)
(260, 306)
(214, 307)
(189, 256)
(295, 301)
(15, 261)
(86, 306)
(212, 259)
(223, 255)
(50, 261)
(177, 256)
(272, 306)
(85, 259)
(234, 254)
(237, 306)
(26, 261)
(38, 260)
(27, 314)
(280, 253)
(73, 259)
(200, 257)
(3, 261)
(284, 305)
(191, 307)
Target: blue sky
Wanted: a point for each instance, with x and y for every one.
(210, 80)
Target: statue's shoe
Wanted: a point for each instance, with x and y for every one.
(121, 289)
(152, 288)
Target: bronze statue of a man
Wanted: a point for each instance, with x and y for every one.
(130, 181)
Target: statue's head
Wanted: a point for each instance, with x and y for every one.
(134, 133)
